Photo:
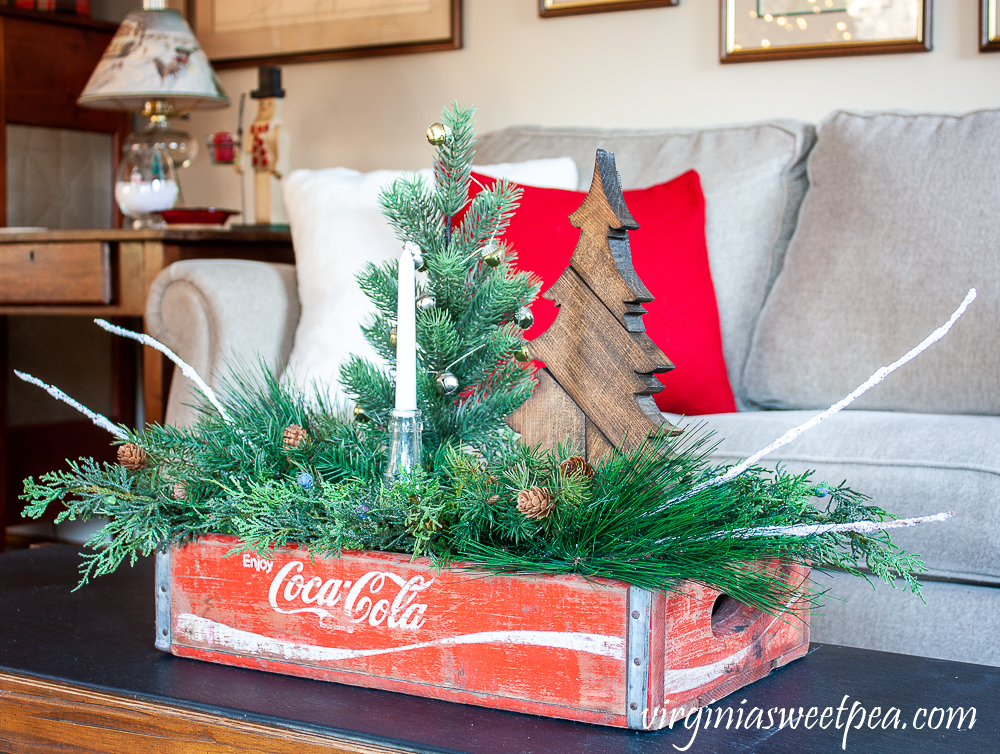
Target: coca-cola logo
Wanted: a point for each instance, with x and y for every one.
(360, 600)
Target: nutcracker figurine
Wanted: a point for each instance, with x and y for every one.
(269, 145)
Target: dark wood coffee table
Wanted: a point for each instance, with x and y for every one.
(78, 672)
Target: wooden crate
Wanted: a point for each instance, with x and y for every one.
(597, 651)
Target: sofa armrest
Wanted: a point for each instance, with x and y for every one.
(214, 312)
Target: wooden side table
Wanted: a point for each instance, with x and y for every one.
(103, 273)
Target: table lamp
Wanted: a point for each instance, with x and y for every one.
(154, 66)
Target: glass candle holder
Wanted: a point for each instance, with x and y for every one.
(146, 184)
(223, 148)
(405, 442)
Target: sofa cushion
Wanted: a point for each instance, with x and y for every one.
(337, 227)
(753, 177)
(957, 622)
(910, 465)
(899, 222)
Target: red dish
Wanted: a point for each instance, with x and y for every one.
(197, 215)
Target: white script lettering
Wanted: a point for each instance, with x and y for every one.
(258, 564)
(362, 601)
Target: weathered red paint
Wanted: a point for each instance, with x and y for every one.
(548, 645)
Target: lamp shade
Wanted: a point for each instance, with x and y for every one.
(153, 56)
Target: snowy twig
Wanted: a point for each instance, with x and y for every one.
(101, 421)
(186, 369)
(880, 374)
(858, 527)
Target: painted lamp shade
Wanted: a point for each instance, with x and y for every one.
(153, 56)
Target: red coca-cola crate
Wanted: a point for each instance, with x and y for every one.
(597, 651)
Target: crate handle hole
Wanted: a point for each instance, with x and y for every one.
(730, 616)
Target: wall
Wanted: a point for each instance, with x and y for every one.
(644, 68)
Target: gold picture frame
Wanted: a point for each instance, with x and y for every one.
(989, 26)
(754, 30)
(555, 8)
(237, 33)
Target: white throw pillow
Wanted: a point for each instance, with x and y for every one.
(337, 226)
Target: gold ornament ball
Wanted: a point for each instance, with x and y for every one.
(522, 354)
(437, 134)
(360, 415)
(524, 318)
(426, 302)
(393, 338)
(492, 255)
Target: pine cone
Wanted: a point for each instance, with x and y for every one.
(131, 456)
(179, 491)
(294, 436)
(493, 500)
(576, 465)
(535, 503)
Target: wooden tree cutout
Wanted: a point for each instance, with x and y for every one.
(599, 378)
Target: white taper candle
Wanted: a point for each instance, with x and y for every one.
(406, 336)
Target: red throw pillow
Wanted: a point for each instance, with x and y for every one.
(670, 256)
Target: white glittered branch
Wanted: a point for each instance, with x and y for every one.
(858, 527)
(101, 421)
(186, 369)
(880, 374)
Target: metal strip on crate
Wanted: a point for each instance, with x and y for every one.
(163, 600)
(640, 603)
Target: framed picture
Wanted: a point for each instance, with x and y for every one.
(249, 32)
(989, 26)
(550, 8)
(775, 29)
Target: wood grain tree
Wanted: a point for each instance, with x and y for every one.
(600, 366)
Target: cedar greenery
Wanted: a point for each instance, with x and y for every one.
(635, 519)
(644, 516)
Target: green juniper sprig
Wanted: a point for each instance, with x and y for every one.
(327, 494)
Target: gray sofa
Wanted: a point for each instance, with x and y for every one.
(834, 249)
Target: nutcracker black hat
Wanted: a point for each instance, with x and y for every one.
(268, 82)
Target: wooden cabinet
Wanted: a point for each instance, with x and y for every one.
(45, 61)
(55, 273)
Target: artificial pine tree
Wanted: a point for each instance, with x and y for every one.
(469, 378)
